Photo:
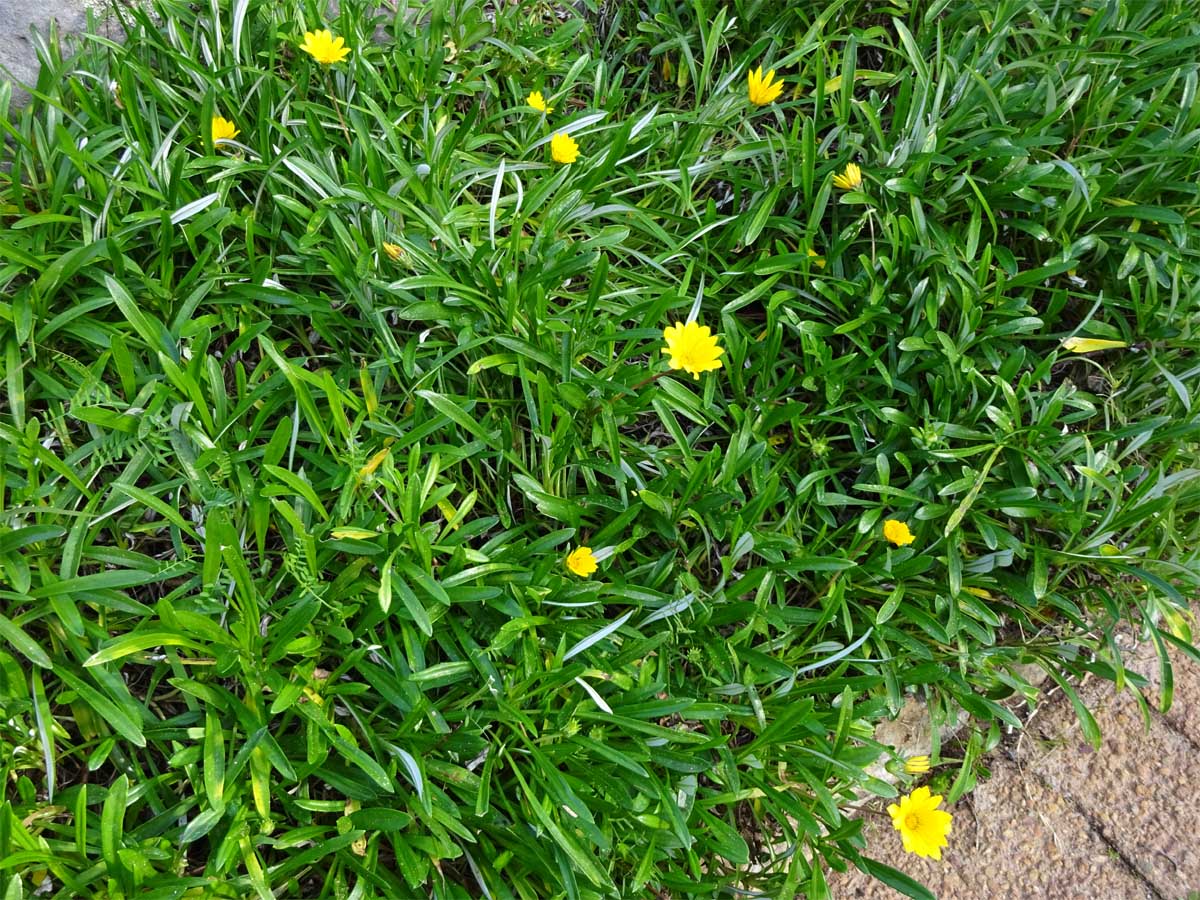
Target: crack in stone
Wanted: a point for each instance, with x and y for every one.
(1098, 830)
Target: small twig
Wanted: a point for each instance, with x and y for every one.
(633, 390)
(645, 381)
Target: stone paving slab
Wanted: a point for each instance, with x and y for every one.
(1139, 790)
(1060, 820)
(1184, 714)
(1014, 838)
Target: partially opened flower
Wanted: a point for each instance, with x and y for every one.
(763, 90)
(538, 102)
(563, 148)
(1091, 345)
(916, 765)
(922, 826)
(223, 130)
(897, 532)
(394, 251)
(582, 562)
(850, 178)
(324, 47)
(817, 258)
(692, 347)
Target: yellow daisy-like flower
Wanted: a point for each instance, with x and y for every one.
(692, 347)
(538, 102)
(395, 251)
(817, 258)
(763, 90)
(916, 765)
(582, 562)
(324, 47)
(897, 532)
(922, 826)
(223, 130)
(563, 148)
(1091, 345)
(850, 178)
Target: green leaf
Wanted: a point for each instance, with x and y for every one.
(895, 879)
(137, 642)
(26, 645)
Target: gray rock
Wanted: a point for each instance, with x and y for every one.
(18, 42)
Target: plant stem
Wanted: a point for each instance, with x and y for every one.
(337, 106)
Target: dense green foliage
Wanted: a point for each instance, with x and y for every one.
(283, 519)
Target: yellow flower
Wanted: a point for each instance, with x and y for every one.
(582, 562)
(922, 826)
(538, 102)
(763, 90)
(897, 533)
(980, 593)
(817, 258)
(916, 765)
(563, 148)
(395, 251)
(223, 130)
(324, 47)
(692, 347)
(850, 178)
(1091, 345)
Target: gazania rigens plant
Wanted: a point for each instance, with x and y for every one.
(850, 179)
(763, 89)
(563, 148)
(223, 130)
(538, 102)
(692, 347)
(582, 561)
(378, 518)
(324, 47)
(922, 825)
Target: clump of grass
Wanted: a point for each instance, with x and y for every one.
(298, 428)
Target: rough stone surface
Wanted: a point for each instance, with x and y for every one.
(1014, 837)
(1139, 790)
(1060, 820)
(1184, 714)
(18, 56)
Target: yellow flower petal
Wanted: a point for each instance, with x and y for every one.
(692, 347)
(850, 178)
(394, 251)
(916, 765)
(223, 130)
(1091, 345)
(897, 532)
(324, 47)
(563, 148)
(762, 89)
(538, 102)
(923, 827)
(582, 562)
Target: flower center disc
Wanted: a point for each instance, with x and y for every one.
(913, 821)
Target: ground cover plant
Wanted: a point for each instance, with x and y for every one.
(377, 518)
